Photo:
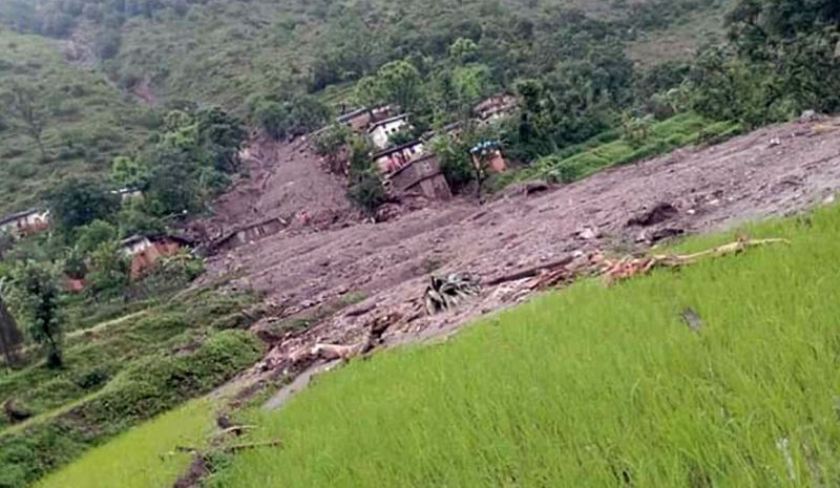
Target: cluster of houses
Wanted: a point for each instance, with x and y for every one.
(411, 167)
(144, 251)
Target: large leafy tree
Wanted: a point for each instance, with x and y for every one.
(76, 202)
(400, 83)
(36, 289)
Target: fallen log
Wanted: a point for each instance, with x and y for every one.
(629, 267)
(531, 272)
(255, 445)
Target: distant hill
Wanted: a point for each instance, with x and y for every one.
(95, 65)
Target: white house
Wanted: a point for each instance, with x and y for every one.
(25, 223)
(380, 132)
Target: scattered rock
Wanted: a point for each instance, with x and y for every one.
(811, 116)
(692, 319)
(666, 233)
(588, 234)
(535, 187)
(660, 213)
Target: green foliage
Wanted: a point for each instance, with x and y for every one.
(594, 386)
(86, 121)
(93, 235)
(463, 50)
(192, 160)
(110, 271)
(366, 188)
(129, 172)
(147, 388)
(455, 161)
(400, 83)
(36, 302)
(75, 203)
(609, 150)
(294, 117)
(330, 142)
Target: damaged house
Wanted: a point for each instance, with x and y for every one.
(361, 119)
(146, 251)
(25, 223)
(495, 108)
(380, 132)
(410, 169)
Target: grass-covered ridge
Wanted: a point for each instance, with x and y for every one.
(595, 386)
(87, 120)
(612, 148)
(116, 375)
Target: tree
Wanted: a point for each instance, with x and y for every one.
(330, 142)
(221, 135)
(463, 50)
(38, 304)
(482, 154)
(366, 188)
(110, 272)
(26, 104)
(400, 83)
(368, 92)
(10, 335)
(94, 235)
(75, 203)
(129, 172)
(454, 156)
(273, 117)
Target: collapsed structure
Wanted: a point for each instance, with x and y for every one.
(146, 250)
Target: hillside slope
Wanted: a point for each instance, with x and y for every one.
(309, 272)
(87, 121)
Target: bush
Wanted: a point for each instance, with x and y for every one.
(144, 390)
(367, 191)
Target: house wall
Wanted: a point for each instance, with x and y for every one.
(27, 224)
(423, 176)
(496, 164)
(397, 160)
(144, 261)
(381, 136)
(249, 234)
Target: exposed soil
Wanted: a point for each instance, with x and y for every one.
(285, 180)
(333, 253)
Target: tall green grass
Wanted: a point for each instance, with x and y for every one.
(143, 457)
(595, 386)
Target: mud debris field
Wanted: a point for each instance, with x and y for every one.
(340, 275)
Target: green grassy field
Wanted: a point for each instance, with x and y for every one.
(595, 386)
(611, 149)
(143, 457)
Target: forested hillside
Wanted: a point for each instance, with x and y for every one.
(101, 74)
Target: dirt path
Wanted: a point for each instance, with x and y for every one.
(705, 189)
